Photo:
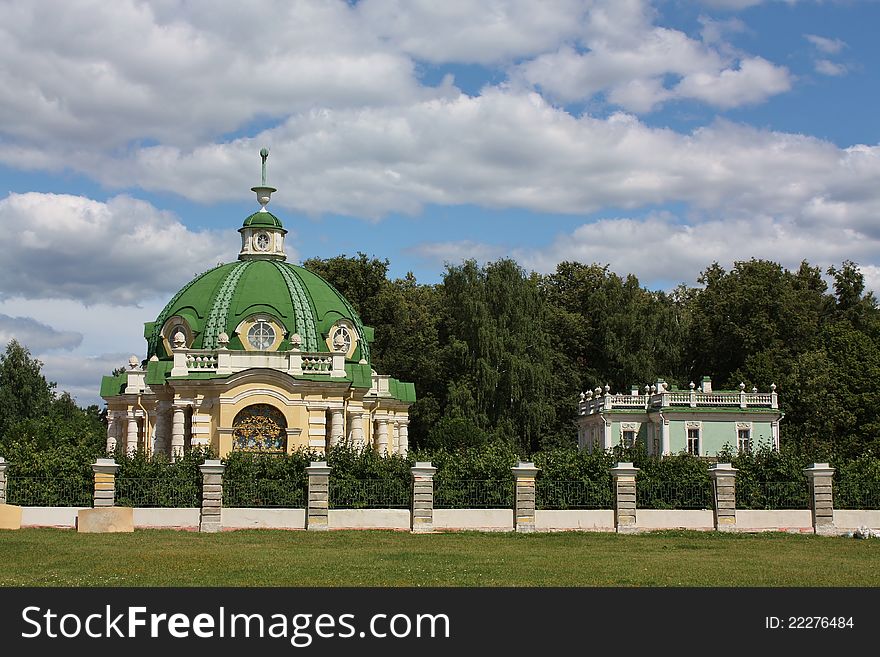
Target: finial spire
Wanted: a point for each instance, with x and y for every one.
(264, 192)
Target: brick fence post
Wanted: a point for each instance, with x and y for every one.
(212, 496)
(105, 482)
(3, 466)
(623, 476)
(724, 488)
(524, 496)
(423, 497)
(319, 496)
(819, 476)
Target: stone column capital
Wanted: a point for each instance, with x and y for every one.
(525, 470)
(105, 466)
(625, 469)
(212, 467)
(318, 469)
(819, 470)
(423, 469)
(722, 470)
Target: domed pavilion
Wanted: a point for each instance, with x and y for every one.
(259, 355)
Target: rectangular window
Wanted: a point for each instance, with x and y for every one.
(694, 442)
(629, 438)
(744, 440)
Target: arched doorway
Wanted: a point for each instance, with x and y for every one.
(260, 428)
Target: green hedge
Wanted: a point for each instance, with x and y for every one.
(568, 478)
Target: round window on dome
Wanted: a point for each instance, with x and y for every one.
(261, 336)
(342, 337)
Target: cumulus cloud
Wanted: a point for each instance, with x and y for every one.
(35, 335)
(119, 252)
(663, 249)
(504, 149)
(467, 31)
(105, 75)
(634, 70)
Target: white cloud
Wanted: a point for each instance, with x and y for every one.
(35, 335)
(118, 252)
(826, 45)
(827, 67)
(753, 81)
(507, 149)
(651, 66)
(661, 249)
(484, 32)
(101, 75)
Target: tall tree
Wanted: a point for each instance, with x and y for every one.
(756, 314)
(24, 392)
(498, 351)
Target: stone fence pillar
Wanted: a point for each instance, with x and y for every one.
(724, 488)
(423, 497)
(212, 495)
(3, 467)
(105, 482)
(820, 477)
(623, 477)
(524, 475)
(10, 516)
(319, 496)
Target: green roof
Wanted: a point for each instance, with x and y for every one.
(220, 299)
(113, 385)
(262, 219)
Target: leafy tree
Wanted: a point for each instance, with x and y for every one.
(497, 350)
(757, 313)
(24, 392)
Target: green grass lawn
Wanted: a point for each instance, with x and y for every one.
(50, 557)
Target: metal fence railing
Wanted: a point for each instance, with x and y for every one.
(49, 491)
(857, 495)
(560, 494)
(152, 492)
(673, 495)
(772, 495)
(262, 492)
(369, 494)
(473, 494)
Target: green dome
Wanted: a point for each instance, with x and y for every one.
(263, 220)
(219, 300)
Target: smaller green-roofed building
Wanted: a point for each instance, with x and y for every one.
(260, 355)
(664, 420)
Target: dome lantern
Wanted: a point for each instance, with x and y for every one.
(262, 234)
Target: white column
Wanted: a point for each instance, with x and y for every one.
(664, 436)
(131, 441)
(356, 420)
(774, 431)
(111, 432)
(382, 437)
(606, 434)
(177, 423)
(403, 440)
(160, 437)
(336, 434)
(394, 439)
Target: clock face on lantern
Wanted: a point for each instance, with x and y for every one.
(261, 242)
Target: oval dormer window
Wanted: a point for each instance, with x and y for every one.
(261, 336)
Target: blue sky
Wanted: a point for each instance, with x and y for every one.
(655, 137)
